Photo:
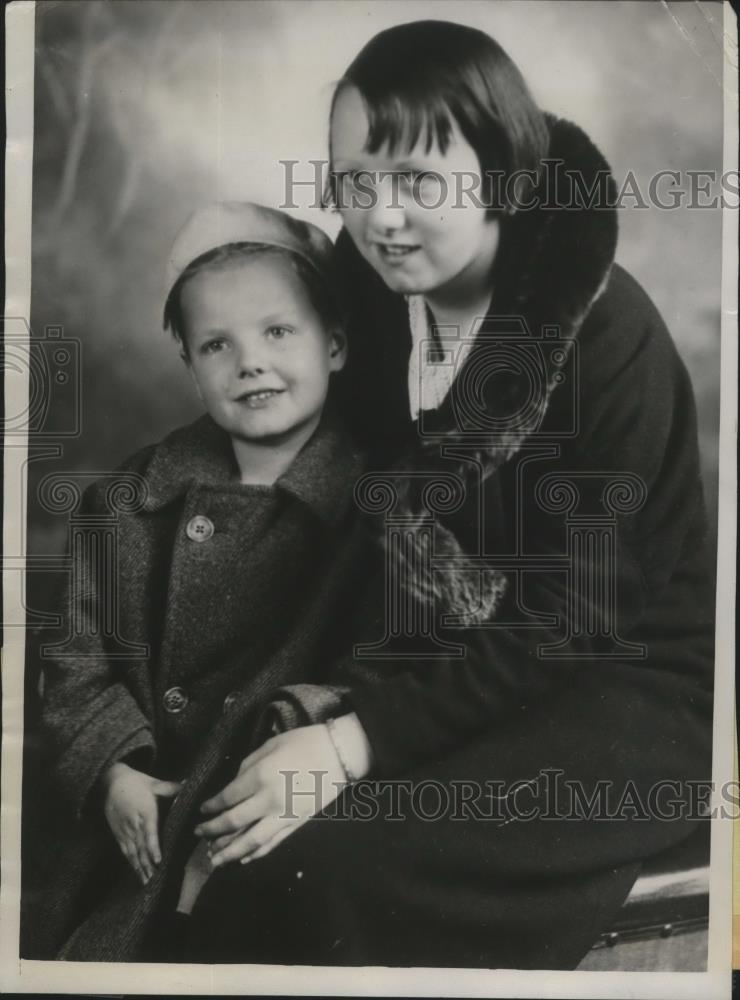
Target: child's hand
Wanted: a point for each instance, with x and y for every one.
(272, 795)
(132, 814)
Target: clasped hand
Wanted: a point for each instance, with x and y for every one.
(272, 795)
(285, 782)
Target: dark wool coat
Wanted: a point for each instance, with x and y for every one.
(588, 418)
(572, 430)
(226, 593)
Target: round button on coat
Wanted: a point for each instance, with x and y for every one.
(175, 700)
(199, 528)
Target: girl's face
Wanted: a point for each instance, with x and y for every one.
(259, 352)
(408, 213)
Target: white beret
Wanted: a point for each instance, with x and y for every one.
(226, 222)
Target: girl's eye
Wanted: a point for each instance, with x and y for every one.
(357, 176)
(213, 346)
(279, 332)
(419, 177)
(362, 180)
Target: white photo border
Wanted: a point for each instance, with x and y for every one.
(70, 977)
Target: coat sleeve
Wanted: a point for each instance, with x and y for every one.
(637, 416)
(89, 716)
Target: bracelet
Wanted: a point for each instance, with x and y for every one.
(331, 730)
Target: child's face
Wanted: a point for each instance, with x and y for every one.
(415, 249)
(259, 352)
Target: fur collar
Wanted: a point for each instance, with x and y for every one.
(554, 262)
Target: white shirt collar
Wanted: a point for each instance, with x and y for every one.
(431, 370)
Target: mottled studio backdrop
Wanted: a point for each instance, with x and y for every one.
(145, 109)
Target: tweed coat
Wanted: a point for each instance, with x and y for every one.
(214, 627)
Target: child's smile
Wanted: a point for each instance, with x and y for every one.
(258, 398)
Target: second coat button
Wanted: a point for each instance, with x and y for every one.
(175, 700)
(199, 528)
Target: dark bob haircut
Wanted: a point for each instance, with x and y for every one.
(323, 298)
(414, 78)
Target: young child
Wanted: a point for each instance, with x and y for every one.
(241, 517)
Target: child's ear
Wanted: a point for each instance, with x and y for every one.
(337, 351)
(184, 353)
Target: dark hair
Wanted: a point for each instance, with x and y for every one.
(415, 77)
(322, 296)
